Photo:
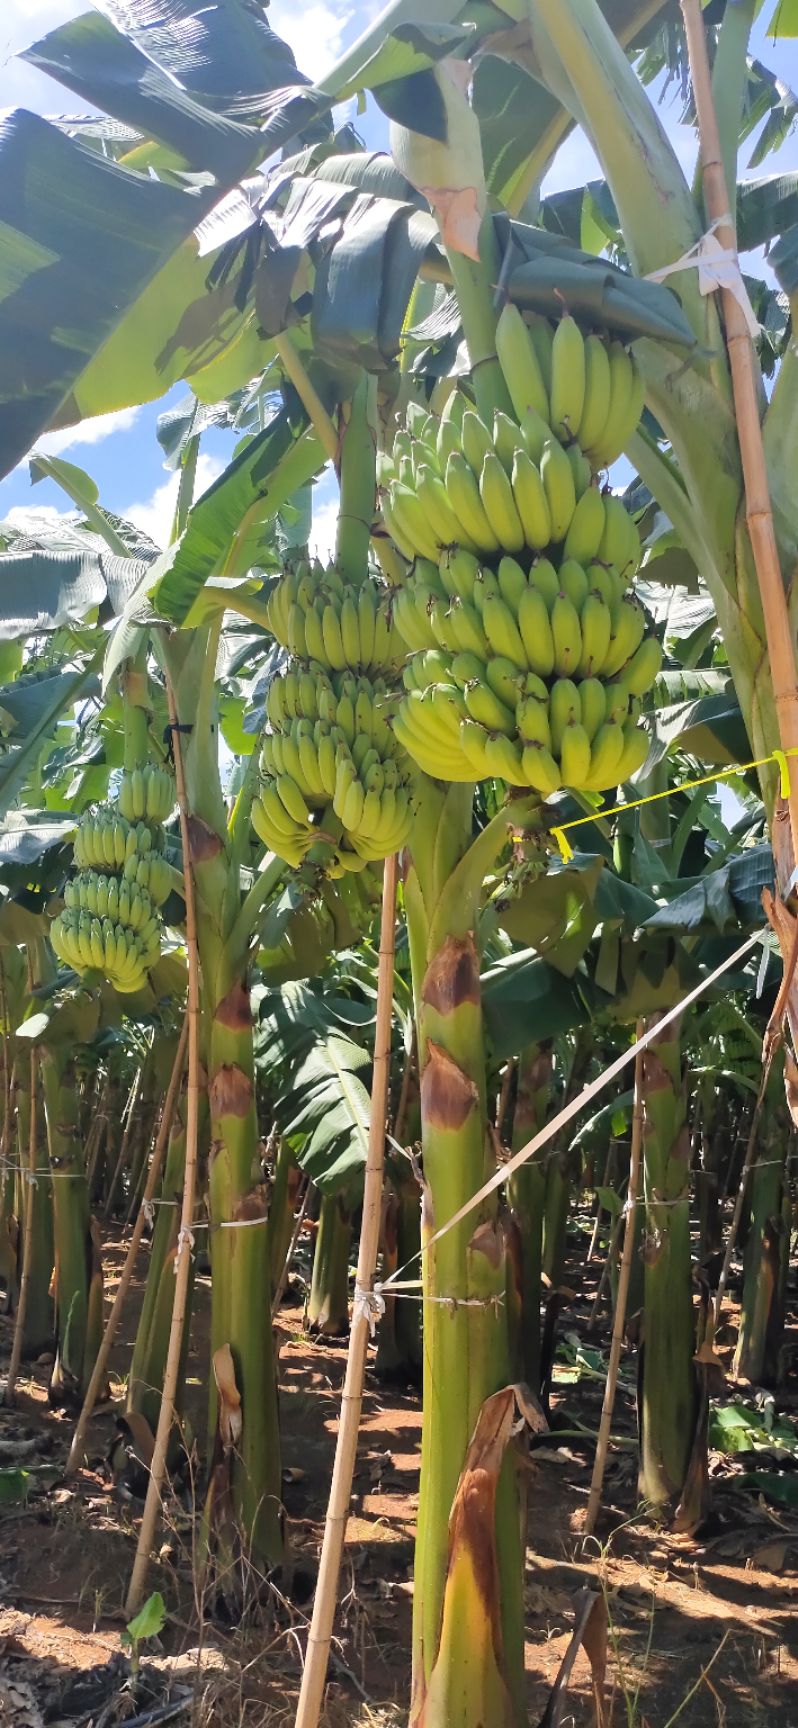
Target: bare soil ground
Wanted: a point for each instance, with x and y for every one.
(701, 1630)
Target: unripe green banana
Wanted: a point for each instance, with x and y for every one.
(598, 392)
(297, 644)
(468, 632)
(595, 622)
(574, 582)
(564, 710)
(475, 739)
(567, 394)
(566, 635)
(519, 363)
(485, 707)
(541, 772)
(459, 571)
(605, 582)
(643, 667)
(620, 541)
(535, 434)
(504, 678)
(593, 702)
(531, 501)
(580, 469)
(462, 490)
(352, 809)
(605, 754)
(502, 631)
(545, 579)
(506, 439)
(534, 625)
(533, 721)
(512, 582)
(636, 745)
(541, 336)
(408, 514)
(476, 440)
(624, 412)
(586, 531)
(575, 756)
(558, 481)
(314, 634)
(291, 797)
(498, 501)
(486, 583)
(628, 626)
(504, 760)
(463, 669)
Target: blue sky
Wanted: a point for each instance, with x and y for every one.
(121, 452)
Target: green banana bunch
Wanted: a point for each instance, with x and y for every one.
(146, 793)
(588, 392)
(334, 624)
(90, 943)
(151, 874)
(106, 841)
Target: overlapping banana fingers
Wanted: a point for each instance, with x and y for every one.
(111, 922)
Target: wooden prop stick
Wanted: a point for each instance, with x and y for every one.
(318, 1650)
(299, 1220)
(738, 1204)
(600, 1462)
(27, 1240)
(77, 1449)
(718, 200)
(128, 1129)
(184, 1240)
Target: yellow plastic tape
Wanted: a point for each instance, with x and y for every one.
(778, 756)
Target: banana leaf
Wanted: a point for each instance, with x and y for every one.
(36, 717)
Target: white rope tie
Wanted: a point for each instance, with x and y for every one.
(185, 1239)
(718, 267)
(368, 1305)
(239, 1223)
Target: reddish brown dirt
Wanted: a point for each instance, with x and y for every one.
(722, 1605)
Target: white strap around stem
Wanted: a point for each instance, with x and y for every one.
(718, 267)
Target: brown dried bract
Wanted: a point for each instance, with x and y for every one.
(230, 1091)
(448, 1096)
(452, 977)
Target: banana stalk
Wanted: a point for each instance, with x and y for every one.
(328, 1302)
(38, 1330)
(466, 1348)
(241, 1278)
(78, 1275)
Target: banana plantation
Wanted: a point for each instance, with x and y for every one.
(398, 919)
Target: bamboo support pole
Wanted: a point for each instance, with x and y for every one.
(128, 1121)
(742, 362)
(77, 1449)
(740, 1198)
(317, 1656)
(27, 1245)
(602, 1448)
(184, 1240)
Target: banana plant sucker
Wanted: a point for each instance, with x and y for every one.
(700, 486)
(241, 1279)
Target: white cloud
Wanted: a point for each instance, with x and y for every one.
(325, 523)
(155, 515)
(86, 432)
(31, 519)
(315, 32)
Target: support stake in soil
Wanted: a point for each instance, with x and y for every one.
(318, 1648)
(183, 1259)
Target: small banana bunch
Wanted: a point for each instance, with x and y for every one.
(110, 922)
(146, 794)
(588, 391)
(317, 614)
(331, 769)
